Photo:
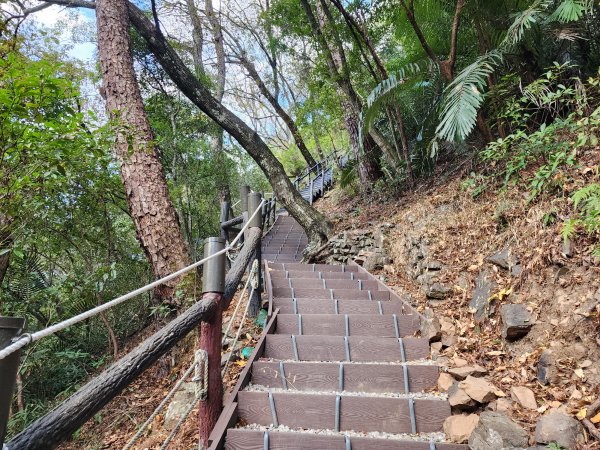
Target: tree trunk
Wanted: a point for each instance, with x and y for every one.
(142, 173)
(368, 160)
(314, 223)
(310, 161)
(197, 37)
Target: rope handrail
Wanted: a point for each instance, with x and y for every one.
(250, 281)
(26, 338)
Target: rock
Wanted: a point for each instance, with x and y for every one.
(567, 248)
(460, 373)
(479, 389)
(179, 404)
(516, 270)
(479, 303)
(558, 427)
(496, 431)
(445, 382)
(523, 396)
(458, 398)
(503, 404)
(459, 428)
(449, 341)
(545, 367)
(433, 265)
(503, 258)
(374, 261)
(516, 321)
(430, 327)
(438, 291)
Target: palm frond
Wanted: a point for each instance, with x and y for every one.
(570, 11)
(523, 22)
(384, 91)
(464, 96)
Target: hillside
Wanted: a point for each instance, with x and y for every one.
(443, 249)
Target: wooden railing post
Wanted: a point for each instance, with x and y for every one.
(254, 200)
(213, 287)
(10, 327)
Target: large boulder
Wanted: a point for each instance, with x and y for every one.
(496, 431)
(558, 427)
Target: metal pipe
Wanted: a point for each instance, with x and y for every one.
(213, 278)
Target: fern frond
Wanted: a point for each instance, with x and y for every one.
(464, 96)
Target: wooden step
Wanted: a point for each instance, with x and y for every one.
(348, 325)
(302, 274)
(349, 377)
(320, 306)
(348, 294)
(299, 283)
(335, 348)
(355, 413)
(315, 267)
(244, 439)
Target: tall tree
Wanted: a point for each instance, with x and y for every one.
(142, 173)
(333, 52)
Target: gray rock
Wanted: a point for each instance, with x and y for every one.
(516, 270)
(558, 427)
(438, 291)
(503, 258)
(430, 329)
(516, 321)
(179, 404)
(567, 248)
(496, 431)
(479, 303)
(433, 265)
(545, 367)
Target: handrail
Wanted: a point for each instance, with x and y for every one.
(26, 338)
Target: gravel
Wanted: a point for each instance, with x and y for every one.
(427, 437)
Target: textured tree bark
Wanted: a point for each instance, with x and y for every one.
(210, 341)
(197, 37)
(60, 423)
(155, 220)
(310, 161)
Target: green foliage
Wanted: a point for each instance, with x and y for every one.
(464, 97)
(586, 202)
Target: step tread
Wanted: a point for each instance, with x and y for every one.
(333, 348)
(348, 324)
(357, 413)
(363, 377)
(328, 306)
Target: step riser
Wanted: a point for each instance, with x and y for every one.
(315, 267)
(239, 439)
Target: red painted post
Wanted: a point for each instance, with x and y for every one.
(213, 286)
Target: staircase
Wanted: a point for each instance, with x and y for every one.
(338, 365)
(318, 179)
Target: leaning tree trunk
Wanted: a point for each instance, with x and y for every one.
(314, 223)
(155, 220)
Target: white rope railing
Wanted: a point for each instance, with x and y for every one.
(26, 338)
(200, 358)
